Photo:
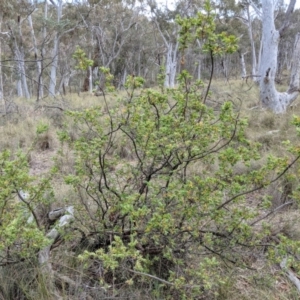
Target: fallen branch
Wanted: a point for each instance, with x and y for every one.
(291, 275)
(65, 216)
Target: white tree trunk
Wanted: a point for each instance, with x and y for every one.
(55, 52)
(199, 61)
(171, 65)
(252, 43)
(20, 54)
(22, 88)
(123, 81)
(90, 77)
(259, 59)
(269, 96)
(40, 90)
(52, 84)
(18, 50)
(19, 82)
(295, 72)
(247, 20)
(1, 79)
(43, 51)
(243, 65)
(139, 62)
(23, 75)
(171, 56)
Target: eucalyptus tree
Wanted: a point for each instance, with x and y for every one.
(14, 17)
(38, 59)
(286, 44)
(163, 20)
(248, 16)
(113, 37)
(55, 51)
(270, 97)
(1, 78)
(62, 25)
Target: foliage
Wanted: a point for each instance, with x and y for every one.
(203, 27)
(22, 233)
(156, 177)
(108, 79)
(82, 61)
(157, 182)
(159, 198)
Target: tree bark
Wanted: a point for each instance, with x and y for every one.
(1, 79)
(171, 64)
(21, 56)
(243, 65)
(252, 43)
(18, 50)
(90, 77)
(40, 90)
(55, 51)
(270, 97)
(199, 63)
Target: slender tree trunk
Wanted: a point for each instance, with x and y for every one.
(199, 61)
(1, 79)
(224, 64)
(18, 73)
(124, 78)
(52, 84)
(171, 58)
(252, 43)
(294, 86)
(243, 65)
(40, 90)
(65, 81)
(20, 51)
(55, 52)
(171, 65)
(23, 75)
(139, 63)
(90, 76)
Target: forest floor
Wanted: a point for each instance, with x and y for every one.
(18, 131)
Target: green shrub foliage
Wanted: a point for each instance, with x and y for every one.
(160, 199)
(159, 192)
(157, 183)
(22, 197)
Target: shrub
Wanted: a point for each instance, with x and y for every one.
(158, 217)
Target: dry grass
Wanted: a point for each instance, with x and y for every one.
(18, 131)
(266, 284)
